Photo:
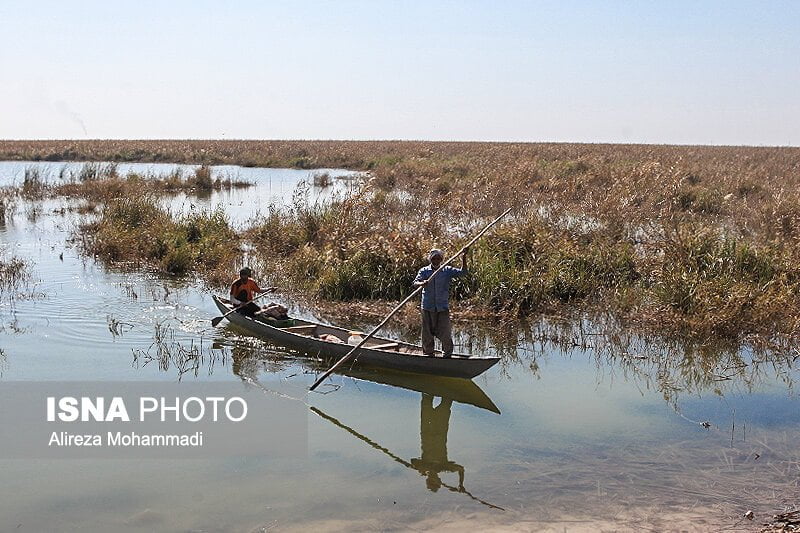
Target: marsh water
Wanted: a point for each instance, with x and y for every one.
(594, 430)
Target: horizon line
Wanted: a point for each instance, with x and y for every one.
(439, 141)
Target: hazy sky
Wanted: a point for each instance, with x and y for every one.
(706, 72)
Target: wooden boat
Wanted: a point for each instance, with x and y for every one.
(378, 352)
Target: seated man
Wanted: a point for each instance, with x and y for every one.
(243, 290)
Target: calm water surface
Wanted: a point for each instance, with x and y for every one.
(554, 438)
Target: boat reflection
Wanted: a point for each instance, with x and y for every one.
(248, 360)
(458, 390)
(433, 461)
(437, 395)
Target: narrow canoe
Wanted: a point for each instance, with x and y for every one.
(378, 352)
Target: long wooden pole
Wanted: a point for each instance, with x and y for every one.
(349, 354)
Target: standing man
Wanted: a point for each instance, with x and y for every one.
(435, 296)
(243, 290)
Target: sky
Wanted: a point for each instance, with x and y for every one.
(674, 72)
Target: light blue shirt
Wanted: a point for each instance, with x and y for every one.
(436, 293)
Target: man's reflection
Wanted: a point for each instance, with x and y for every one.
(434, 424)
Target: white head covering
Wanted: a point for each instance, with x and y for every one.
(434, 252)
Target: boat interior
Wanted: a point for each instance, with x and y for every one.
(344, 336)
(340, 335)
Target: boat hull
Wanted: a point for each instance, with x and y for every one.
(460, 366)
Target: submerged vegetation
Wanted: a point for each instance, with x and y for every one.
(186, 358)
(700, 241)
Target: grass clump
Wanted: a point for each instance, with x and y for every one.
(92, 172)
(7, 203)
(107, 187)
(139, 231)
(337, 250)
(371, 271)
(720, 285)
(699, 200)
(13, 272)
(33, 184)
(201, 179)
(529, 266)
(322, 180)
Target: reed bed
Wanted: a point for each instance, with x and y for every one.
(139, 231)
(689, 279)
(104, 186)
(99, 182)
(696, 241)
(698, 246)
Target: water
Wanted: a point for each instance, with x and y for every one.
(586, 437)
(273, 186)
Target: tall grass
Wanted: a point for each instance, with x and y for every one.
(138, 230)
(33, 183)
(13, 272)
(322, 179)
(525, 267)
(688, 277)
(201, 179)
(702, 240)
(91, 172)
(7, 202)
(104, 187)
(339, 249)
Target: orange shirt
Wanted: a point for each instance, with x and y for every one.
(248, 286)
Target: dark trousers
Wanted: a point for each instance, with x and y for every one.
(249, 310)
(436, 324)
